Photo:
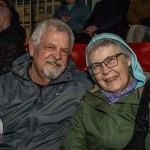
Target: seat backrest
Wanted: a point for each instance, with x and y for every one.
(26, 45)
(142, 51)
(78, 56)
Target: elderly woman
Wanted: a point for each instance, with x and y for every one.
(106, 117)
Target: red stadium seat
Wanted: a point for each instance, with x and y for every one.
(26, 45)
(142, 51)
(78, 56)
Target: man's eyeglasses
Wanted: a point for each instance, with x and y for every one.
(110, 62)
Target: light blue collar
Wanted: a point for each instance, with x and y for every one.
(69, 7)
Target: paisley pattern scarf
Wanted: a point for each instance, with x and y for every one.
(114, 97)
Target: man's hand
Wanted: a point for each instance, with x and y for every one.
(66, 18)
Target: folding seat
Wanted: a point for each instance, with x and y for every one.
(142, 51)
(26, 45)
(78, 56)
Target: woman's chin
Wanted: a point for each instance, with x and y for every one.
(114, 88)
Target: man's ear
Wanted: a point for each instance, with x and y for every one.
(32, 48)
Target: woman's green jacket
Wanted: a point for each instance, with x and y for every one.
(97, 125)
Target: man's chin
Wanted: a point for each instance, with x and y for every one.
(52, 74)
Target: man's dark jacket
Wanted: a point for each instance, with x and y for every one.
(36, 118)
(11, 47)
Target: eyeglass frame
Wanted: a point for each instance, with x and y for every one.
(103, 62)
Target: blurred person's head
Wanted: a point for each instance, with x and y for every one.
(50, 46)
(5, 3)
(5, 18)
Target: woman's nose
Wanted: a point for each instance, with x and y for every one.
(105, 69)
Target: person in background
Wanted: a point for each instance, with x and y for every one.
(138, 33)
(138, 12)
(74, 13)
(40, 94)
(11, 45)
(106, 116)
(15, 22)
(107, 16)
(138, 16)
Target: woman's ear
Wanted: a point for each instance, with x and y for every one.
(31, 48)
(129, 61)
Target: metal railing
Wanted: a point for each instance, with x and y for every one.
(32, 12)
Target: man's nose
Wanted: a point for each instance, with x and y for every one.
(58, 54)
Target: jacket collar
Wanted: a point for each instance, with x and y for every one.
(99, 102)
(21, 65)
(100, 97)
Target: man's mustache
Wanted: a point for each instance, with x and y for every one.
(54, 61)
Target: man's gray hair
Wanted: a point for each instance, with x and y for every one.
(58, 24)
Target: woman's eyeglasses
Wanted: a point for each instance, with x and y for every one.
(110, 62)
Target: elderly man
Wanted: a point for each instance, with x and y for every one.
(39, 95)
(11, 45)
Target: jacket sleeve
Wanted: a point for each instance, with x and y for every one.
(115, 16)
(84, 15)
(108, 18)
(10, 52)
(97, 8)
(76, 135)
